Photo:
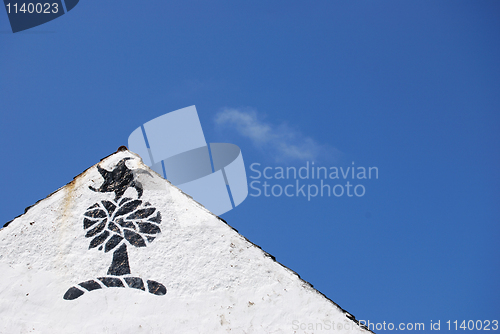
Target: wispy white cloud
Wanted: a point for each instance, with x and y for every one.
(282, 141)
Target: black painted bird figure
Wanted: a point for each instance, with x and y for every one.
(119, 180)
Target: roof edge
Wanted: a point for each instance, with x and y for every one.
(347, 314)
(120, 149)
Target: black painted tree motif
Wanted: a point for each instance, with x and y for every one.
(113, 224)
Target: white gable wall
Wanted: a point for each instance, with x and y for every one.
(216, 281)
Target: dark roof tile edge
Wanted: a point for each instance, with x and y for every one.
(347, 314)
(120, 149)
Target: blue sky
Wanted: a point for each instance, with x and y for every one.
(412, 88)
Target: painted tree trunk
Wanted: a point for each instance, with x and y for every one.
(120, 265)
